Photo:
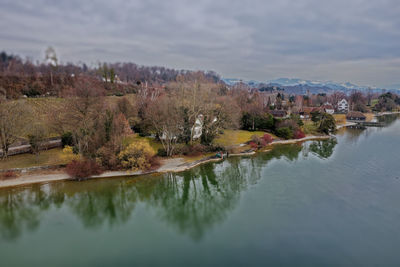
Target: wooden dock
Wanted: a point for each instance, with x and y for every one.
(370, 124)
(373, 124)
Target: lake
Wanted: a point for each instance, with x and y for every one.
(334, 202)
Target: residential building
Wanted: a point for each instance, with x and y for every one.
(328, 108)
(343, 106)
(355, 116)
(278, 113)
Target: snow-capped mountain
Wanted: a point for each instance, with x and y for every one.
(296, 83)
(329, 84)
(233, 81)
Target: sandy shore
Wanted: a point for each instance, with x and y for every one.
(167, 165)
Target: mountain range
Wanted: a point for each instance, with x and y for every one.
(301, 86)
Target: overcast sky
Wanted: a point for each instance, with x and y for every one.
(340, 40)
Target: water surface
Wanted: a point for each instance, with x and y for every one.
(331, 202)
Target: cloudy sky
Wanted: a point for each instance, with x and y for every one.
(340, 40)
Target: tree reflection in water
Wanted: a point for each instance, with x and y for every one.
(20, 210)
(323, 149)
(192, 202)
(196, 200)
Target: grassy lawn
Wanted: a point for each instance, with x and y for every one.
(135, 137)
(374, 102)
(340, 118)
(309, 128)
(228, 138)
(369, 116)
(236, 137)
(49, 157)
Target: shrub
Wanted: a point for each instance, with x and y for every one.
(255, 138)
(137, 156)
(9, 175)
(259, 141)
(289, 123)
(297, 119)
(253, 145)
(161, 152)
(154, 163)
(252, 122)
(267, 138)
(214, 148)
(68, 154)
(108, 157)
(67, 140)
(298, 134)
(194, 150)
(262, 143)
(234, 150)
(327, 124)
(284, 132)
(82, 169)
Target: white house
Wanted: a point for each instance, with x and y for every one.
(328, 108)
(197, 128)
(196, 131)
(343, 106)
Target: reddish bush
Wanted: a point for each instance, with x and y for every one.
(154, 163)
(82, 169)
(253, 145)
(267, 138)
(9, 175)
(262, 143)
(298, 134)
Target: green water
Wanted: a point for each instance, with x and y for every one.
(317, 204)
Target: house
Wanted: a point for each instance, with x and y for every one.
(306, 112)
(355, 116)
(343, 106)
(278, 113)
(328, 108)
(197, 128)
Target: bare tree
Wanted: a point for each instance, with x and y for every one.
(13, 120)
(37, 133)
(165, 117)
(51, 59)
(222, 113)
(336, 97)
(83, 110)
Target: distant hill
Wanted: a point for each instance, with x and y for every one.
(300, 86)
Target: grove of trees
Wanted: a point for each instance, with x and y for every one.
(96, 110)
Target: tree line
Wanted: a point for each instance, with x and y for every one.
(50, 77)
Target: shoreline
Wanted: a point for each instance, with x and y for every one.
(172, 165)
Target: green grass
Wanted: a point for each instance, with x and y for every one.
(236, 137)
(340, 118)
(374, 102)
(228, 138)
(135, 137)
(46, 158)
(310, 128)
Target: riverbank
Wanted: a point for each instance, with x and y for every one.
(167, 165)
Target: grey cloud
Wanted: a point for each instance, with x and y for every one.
(353, 40)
